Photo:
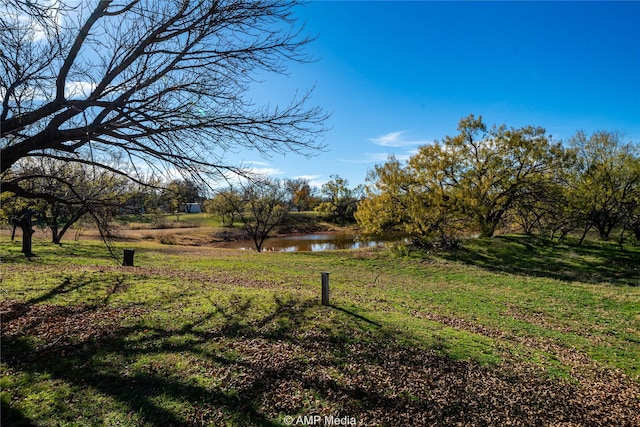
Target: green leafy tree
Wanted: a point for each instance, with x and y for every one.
(179, 193)
(488, 170)
(605, 182)
(469, 181)
(545, 208)
(545, 211)
(144, 198)
(409, 201)
(224, 204)
(386, 205)
(339, 201)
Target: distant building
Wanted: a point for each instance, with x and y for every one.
(193, 207)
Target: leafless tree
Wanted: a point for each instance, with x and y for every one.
(261, 204)
(163, 83)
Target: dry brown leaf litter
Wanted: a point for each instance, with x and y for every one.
(382, 383)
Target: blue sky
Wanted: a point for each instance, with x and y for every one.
(396, 75)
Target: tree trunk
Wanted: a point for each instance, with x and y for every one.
(27, 233)
(25, 224)
(586, 230)
(75, 218)
(55, 237)
(604, 231)
(487, 229)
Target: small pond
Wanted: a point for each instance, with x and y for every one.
(320, 242)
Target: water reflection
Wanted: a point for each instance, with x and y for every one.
(321, 242)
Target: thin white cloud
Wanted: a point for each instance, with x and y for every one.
(392, 139)
(256, 163)
(266, 171)
(78, 89)
(396, 139)
(257, 167)
(72, 90)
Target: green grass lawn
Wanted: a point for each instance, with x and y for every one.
(507, 330)
(164, 220)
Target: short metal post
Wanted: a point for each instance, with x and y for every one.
(325, 288)
(128, 258)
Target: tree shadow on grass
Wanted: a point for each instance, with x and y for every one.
(233, 367)
(537, 257)
(69, 284)
(356, 315)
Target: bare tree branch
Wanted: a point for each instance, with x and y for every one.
(164, 82)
